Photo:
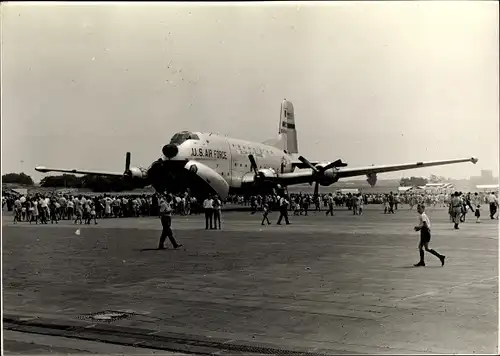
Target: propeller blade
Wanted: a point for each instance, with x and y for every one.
(337, 163)
(307, 163)
(316, 189)
(253, 164)
(127, 162)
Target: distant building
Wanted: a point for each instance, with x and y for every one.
(487, 187)
(486, 178)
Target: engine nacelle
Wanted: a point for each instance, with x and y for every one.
(268, 172)
(210, 177)
(371, 179)
(329, 177)
(138, 172)
(250, 178)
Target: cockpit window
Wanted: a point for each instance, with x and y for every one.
(180, 137)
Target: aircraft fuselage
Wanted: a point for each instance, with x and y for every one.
(226, 158)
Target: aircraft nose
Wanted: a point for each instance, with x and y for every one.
(170, 150)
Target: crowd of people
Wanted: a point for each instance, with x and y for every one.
(85, 209)
(41, 208)
(44, 208)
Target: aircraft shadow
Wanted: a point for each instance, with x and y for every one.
(411, 266)
(155, 249)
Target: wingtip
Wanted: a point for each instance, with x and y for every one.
(41, 169)
(474, 160)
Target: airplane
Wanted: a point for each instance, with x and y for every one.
(207, 163)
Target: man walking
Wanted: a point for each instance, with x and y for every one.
(166, 222)
(283, 210)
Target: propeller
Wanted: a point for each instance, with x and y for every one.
(128, 172)
(337, 163)
(319, 170)
(253, 164)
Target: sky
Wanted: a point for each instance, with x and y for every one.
(371, 83)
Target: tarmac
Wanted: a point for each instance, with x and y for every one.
(322, 285)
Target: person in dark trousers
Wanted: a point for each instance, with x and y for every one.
(317, 203)
(493, 201)
(208, 207)
(217, 204)
(305, 204)
(166, 221)
(283, 210)
(391, 203)
(265, 213)
(330, 202)
(424, 227)
(456, 208)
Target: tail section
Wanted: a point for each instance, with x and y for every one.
(287, 139)
(287, 127)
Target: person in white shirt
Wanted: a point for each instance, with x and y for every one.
(329, 200)
(208, 207)
(424, 227)
(476, 199)
(217, 211)
(493, 201)
(284, 203)
(43, 210)
(34, 215)
(166, 221)
(63, 203)
(78, 209)
(17, 210)
(70, 208)
(107, 209)
(360, 204)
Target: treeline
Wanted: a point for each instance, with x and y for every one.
(95, 183)
(17, 178)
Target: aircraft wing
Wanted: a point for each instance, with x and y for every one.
(78, 171)
(305, 176)
(352, 172)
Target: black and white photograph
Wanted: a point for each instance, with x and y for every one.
(250, 178)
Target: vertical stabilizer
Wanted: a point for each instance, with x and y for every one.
(287, 127)
(287, 139)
